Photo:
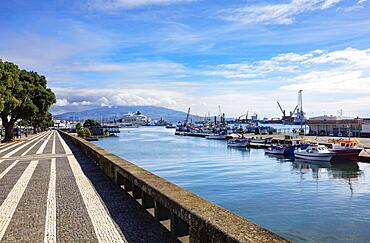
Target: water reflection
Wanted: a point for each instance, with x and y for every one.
(335, 171)
(349, 170)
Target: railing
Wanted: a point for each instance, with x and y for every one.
(189, 215)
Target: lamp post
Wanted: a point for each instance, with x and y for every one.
(349, 135)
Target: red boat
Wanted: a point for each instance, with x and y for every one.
(344, 150)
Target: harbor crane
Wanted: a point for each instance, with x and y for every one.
(187, 117)
(293, 112)
(297, 115)
(246, 116)
(283, 111)
(222, 115)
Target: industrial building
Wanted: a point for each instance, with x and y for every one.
(339, 126)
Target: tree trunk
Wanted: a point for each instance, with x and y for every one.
(9, 131)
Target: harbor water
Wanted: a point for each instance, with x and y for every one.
(301, 201)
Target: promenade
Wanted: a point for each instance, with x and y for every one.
(51, 192)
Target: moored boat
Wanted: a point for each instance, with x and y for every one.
(344, 150)
(217, 136)
(277, 150)
(314, 153)
(261, 140)
(240, 142)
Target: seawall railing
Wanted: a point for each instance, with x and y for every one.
(189, 215)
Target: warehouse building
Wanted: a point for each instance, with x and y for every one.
(339, 126)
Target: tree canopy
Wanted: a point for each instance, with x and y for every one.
(24, 95)
(91, 123)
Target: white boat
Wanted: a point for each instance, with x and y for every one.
(314, 153)
(261, 140)
(217, 137)
(240, 143)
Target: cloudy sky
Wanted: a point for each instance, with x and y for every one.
(243, 55)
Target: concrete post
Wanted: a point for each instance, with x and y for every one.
(179, 227)
(147, 201)
(136, 192)
(161, 212)
(128, 185)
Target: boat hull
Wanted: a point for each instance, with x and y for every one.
(237, 144)
(275, 151)
(346, 154)
(325, 157)
(216, 137)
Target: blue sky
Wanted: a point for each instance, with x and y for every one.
(241, 55)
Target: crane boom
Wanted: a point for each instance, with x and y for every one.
(283, 111)
(295, 109)
(187, 117)
(246, 114)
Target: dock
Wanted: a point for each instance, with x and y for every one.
(56, 187)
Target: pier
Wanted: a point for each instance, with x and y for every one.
(55, 187)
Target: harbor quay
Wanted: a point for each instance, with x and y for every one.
(56, 187)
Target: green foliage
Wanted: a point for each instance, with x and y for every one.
(84, 133)
(78, 127)
(24, 96)
(91, 123)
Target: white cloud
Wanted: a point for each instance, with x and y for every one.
(150, 68)
(111, 5)
(358, 5)
(116, 97)
(283, 13)
(62, 102)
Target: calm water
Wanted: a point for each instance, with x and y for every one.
(303, 202)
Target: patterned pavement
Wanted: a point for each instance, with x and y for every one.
(50, 192)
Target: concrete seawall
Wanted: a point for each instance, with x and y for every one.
(188, 214)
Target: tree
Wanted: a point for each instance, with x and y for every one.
(42, 98)
(91, 123)
(84, 132)
(78, 127)
(24, 96)
(9, 85)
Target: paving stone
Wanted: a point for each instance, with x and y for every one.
(5, 164)
(73, 221)
(28, 221)
(9, 180)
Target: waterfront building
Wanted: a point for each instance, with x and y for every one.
(104, 130)
(365, 131)
(336, 126)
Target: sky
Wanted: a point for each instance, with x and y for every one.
(241, 55)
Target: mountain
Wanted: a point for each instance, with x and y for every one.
(110, 113)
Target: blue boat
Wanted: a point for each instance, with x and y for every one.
(276, 150)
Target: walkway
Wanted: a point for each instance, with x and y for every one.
(50, 192)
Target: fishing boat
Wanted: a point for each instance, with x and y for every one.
(240, 142)
(217, 136)
(347, 150)
(276, 150)
(314, 153)
(260, 140)
(170, 126)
